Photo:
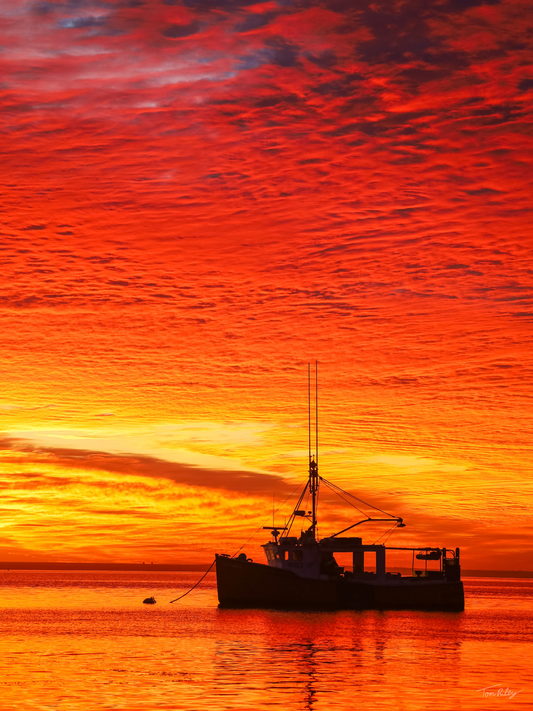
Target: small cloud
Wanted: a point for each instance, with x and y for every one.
(82, 22)
(525, 85)
(483, 191)
(281, 52)
(179, 31)
(324, 60)
(254, 21)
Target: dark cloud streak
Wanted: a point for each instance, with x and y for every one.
(242, 482)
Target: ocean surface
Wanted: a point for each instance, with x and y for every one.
(84, 640)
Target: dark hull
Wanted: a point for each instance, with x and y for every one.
(245, 584)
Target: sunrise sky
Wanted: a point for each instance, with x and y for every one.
(202, 196)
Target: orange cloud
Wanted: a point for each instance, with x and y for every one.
(200, 198)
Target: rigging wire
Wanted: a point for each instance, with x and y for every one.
(389, 531)
(336, 490)
(342, 497)
(261, 527)
(307, 500)
(357, 499)
(240, 549)
(390, 534)
(292, 518)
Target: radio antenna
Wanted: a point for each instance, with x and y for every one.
(313, 460)
(309, 405)
(316, 406)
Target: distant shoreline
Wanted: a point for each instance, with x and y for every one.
(201, 567)
(143, 567)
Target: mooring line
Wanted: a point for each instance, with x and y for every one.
(198, 583)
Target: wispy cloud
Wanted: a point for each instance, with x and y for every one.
(200, 197)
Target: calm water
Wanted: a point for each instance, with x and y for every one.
(84, 640)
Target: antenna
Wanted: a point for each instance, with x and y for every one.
(313, 460)
(309, 405)
(316, 415)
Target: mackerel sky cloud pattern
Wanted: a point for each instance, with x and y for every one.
(201, 196)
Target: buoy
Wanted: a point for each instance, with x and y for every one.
(149, 601)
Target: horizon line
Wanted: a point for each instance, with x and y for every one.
(181, 567)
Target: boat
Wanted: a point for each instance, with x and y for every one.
(301, 572)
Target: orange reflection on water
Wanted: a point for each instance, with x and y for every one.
(81, 642)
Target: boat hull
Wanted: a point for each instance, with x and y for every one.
(246, 584)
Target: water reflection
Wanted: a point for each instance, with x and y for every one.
(84, 647)
(338, 657)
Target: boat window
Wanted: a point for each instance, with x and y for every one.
(284, 555)
(298, 555)
(268, 554)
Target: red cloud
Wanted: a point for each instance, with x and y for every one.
(201, 197)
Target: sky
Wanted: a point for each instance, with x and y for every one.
(200, 197)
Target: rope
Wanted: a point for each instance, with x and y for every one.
(196, 585)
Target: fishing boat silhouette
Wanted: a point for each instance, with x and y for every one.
(301, 572)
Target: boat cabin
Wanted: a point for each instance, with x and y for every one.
(309, 558)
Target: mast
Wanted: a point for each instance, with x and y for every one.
(316, 410)
(309, 407)
(313, 461)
